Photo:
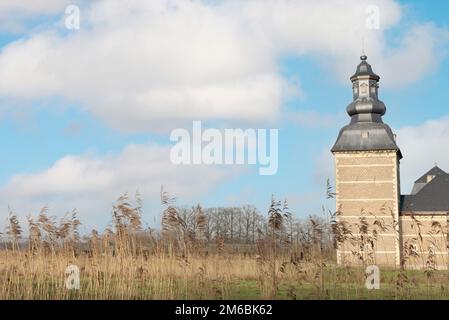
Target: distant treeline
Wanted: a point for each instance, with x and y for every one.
(184, 229)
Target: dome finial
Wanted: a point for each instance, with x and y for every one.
(363, 57)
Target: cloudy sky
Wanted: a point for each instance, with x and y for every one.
(86, 114)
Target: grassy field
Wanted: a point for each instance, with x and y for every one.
(183, 260)
(25, 276)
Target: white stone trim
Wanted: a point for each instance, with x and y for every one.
(424, 235)
(404, 235)
(397, 195)
(427, 252)
(366, 181)
(363, 199)
(426, 217)
(365, 165)
(388, 216)
(374, 251)
(379, 234)
(362, 154)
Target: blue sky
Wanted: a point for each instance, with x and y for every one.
(89, 113)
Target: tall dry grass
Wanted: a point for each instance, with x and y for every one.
(181, 262)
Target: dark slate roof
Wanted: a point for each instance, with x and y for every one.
(364, 69)
(435, 171)
(378, 136)
(366, 130)
(433, 197)
(417, 186)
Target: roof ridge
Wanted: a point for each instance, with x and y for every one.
(431, 182)
(431, 198)
(438, 172)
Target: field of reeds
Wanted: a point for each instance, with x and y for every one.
(223, 253)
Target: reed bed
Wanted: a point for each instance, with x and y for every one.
(183, 261)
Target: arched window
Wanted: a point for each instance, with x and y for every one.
(364, 89)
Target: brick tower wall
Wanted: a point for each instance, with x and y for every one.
(425, 239)
(367, 200)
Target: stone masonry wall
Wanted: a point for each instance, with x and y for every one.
(425, 240)
(367, 198)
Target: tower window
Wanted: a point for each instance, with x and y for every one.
(365, 134)
(364, 89)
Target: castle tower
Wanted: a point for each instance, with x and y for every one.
(367, 178)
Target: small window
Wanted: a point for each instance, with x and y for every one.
(365, 134)
(364, 88)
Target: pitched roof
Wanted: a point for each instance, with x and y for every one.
(364, 69)
(435, 171)
(433, 197)
(378, 137)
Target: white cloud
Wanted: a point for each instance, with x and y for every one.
(419, 53)
(143, 65)
(14, 14)
(422, 146)
(31, 6)
(146, 65)
(92, 183)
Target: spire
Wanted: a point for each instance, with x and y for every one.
(363, 46)
(366, 131)
(366, 107)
